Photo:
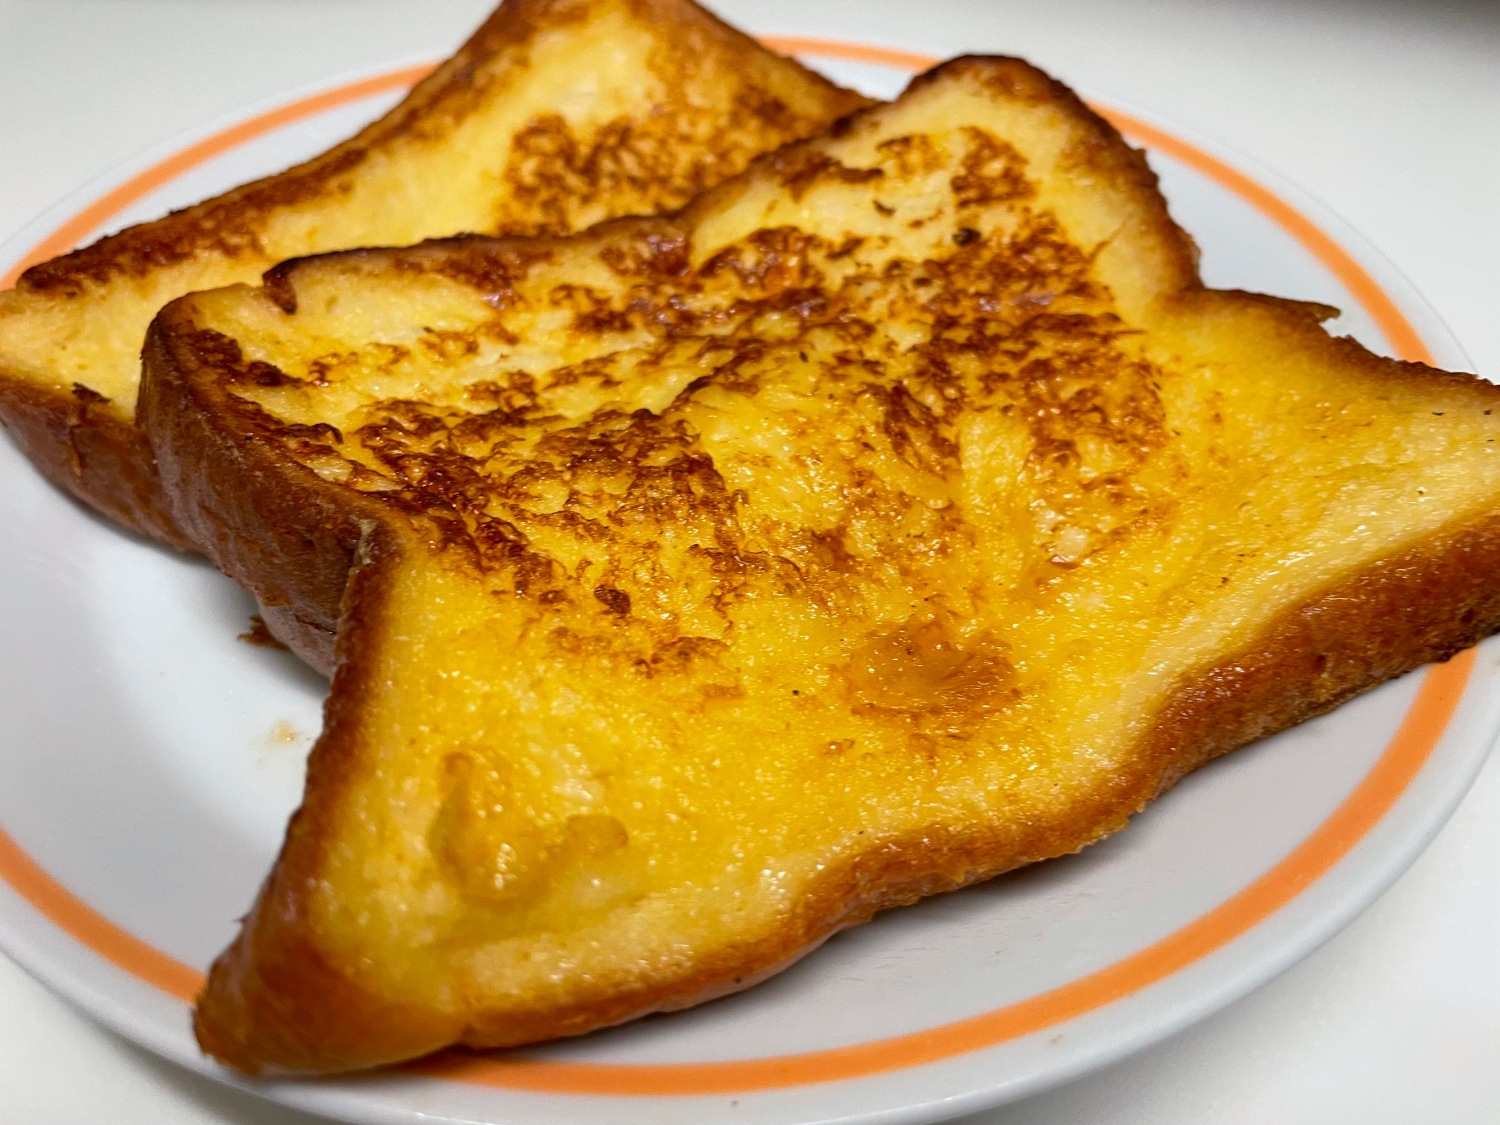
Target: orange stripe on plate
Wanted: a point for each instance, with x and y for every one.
(99, 212)
(855, 52)
(1388, 318)
(76, 917)
(1438, 696)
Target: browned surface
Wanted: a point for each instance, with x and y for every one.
(299, 569)
(293, 537)
(258, 1014)
(550, 180)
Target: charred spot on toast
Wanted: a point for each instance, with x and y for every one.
(87, 395)
(556, 178)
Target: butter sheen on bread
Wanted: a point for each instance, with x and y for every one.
(901, 512)
(554, 115)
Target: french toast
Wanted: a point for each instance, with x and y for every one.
(902, 511)
(554, 115)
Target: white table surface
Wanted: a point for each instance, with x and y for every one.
(1387, 110)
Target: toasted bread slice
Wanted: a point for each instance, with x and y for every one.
(555, 115)
(902, 512)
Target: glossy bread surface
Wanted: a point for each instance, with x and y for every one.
(556, 114)
(902, 512)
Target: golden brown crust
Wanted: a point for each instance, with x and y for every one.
(234, 493)
(1416, 605)
(80, 443)
(100, 456)
(265, 976)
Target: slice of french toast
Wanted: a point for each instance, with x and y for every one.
(556, 114)
(901, 512)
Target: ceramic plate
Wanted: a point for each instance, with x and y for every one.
(150, 760)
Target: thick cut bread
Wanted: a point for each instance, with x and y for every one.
(901, 512)
(555, 115)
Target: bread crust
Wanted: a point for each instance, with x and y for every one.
(95, 450)
(233, 492)
(343, 550)
(81, 443)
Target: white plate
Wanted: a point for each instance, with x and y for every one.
(150, 760)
